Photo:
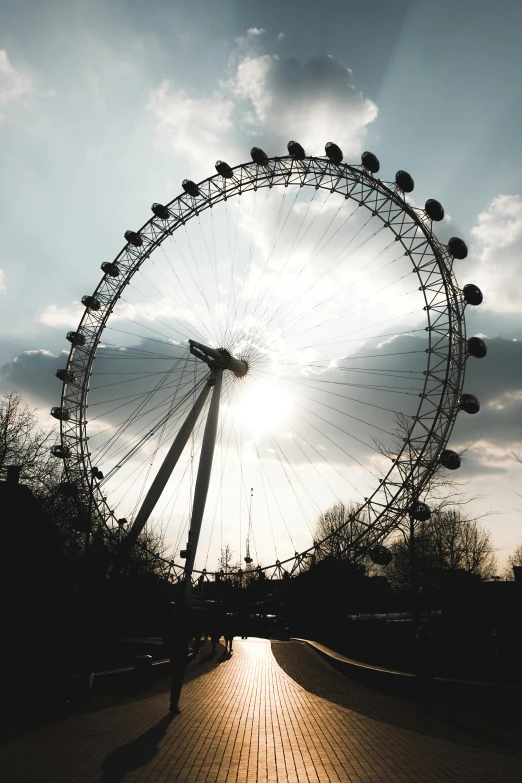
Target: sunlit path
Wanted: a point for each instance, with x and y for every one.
(245, 721)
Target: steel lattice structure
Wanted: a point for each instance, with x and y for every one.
(439, 402)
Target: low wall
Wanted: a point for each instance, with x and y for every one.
(481, 695)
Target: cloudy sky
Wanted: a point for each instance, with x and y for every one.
(106, 107)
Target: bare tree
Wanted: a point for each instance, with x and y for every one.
(443, 488)
(515, 558)
(448, 541)
(226, 562)
(343, 530)
(23, 443)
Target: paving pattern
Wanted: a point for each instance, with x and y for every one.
(245, 721)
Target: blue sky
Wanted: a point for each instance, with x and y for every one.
(106, 107)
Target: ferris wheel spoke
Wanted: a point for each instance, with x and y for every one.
(143, 414)
(148, 394)
(276, 234)
(301, 271)
(132, 418)
(184, 298)
(297, 241)
(275, 282)
(279, 451)
(290, 333)
(232, 259)
(190, 301)
(155, 303)
(322, 460)
(254, 237)
(306, 384)
(296, 298)
(341, 290)
(179, 293)
(130, 376)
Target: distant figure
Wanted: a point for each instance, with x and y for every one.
(245, 622)
(424, 663)
(177, 641)
(214, 629)
(228, 631)
(197, 641)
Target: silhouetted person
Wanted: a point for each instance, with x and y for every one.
(197, 640)
(423, 648)
(245, 622)
(214, 629)
(228, 631)
(177, 642)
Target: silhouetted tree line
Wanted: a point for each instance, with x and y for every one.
(55, 594)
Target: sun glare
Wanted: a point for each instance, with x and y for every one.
(263, 406)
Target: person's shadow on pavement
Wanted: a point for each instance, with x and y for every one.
(134, 754)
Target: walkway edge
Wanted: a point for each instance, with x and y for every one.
(484, 694)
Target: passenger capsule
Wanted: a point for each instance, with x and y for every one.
(133, 238)
(122, 522)
(62, 414)
(66, 376)
(295, 150)
(75, 338)
(457, 248)
(259, 156)
(450, 459)
(333, 152)
(469, 403)
(110, 268)
(404, 181)
(380, 555)
(477, 347)
(190, 187)
(160, 211)
(472, 294)
(62, 452)
(420, 512)
(248, 560)
(224, 169)
(370, 162)
(91, 303)
(434, 209)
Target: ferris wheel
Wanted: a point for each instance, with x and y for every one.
(269, 328)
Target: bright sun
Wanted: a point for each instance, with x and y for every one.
(263, 406)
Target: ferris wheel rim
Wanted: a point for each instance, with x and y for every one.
(251, 176)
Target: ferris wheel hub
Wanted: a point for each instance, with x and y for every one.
(219, 359)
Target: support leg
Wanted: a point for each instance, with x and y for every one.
(200, 496)
(165, 471)
(202, 480)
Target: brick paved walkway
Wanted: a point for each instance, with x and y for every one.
(245, 721)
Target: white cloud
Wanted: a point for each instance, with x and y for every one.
(14, 84)
(313, 103)
(497, 250)
(68, 316)
(2, 280)
(189, 125)
(270, 98)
